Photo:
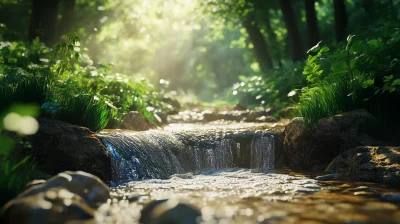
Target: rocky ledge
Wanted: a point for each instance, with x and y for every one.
(59, 146)
(312, 148)
(67, 197)
(367, 163)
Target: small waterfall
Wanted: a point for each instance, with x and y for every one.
(159, 154)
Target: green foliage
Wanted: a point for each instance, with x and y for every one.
(363, 73)
(85, 94)
(15, 173)
(86, 110)
(327, 99)
(276, 89)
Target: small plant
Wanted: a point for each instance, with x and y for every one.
(87, 110)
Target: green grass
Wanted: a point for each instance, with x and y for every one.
(84, 110)
(14, 175)
(328, 99)
(29, 90)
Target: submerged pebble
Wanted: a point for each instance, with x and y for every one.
(332, 176)
(392, 197)
(312, 186)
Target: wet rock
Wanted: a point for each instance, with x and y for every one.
(314, 147)
(52, 206)
(240, 106)
(188, 117)
(211, 116)
(391, 197)
(268, 119)
(87, 186)
(34, 183)
(259, 116)
(59, 146)
(146, 213)
(136, 122)
(170, 211)
(306, 190)
(175, 106)
(332, 176)
(367, 163)
(312, 186)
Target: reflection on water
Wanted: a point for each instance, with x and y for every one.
(250, 196)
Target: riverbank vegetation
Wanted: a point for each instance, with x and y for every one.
(90, 62)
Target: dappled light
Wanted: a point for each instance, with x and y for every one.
(199, 111)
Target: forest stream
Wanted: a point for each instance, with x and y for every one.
(231, 174)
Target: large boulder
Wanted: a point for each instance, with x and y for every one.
(55, 205)
(68, 196)
(366, 163)
(169, 211)
(136, 122)
(89, 187)
(314, 147)
(60, 146)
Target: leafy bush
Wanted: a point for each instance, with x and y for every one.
(277, 88)
(363, 73)
(65, 75)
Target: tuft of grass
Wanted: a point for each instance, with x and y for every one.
(85, 110)
(29, 90)
(328, 99)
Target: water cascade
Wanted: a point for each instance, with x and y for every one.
(159, 154)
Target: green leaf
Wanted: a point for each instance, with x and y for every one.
(387, 78)
(367, 83)
(20, 163)
(396, 82)
(324, 49)
(358, 47)
(339, 66)
(374, 44)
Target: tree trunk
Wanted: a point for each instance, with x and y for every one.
(260, 45)
(273, 39)
(43, 20)
(312, 23)
(293, 31)
(66, 24)
(340, 19)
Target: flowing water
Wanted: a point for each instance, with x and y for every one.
(229, 172)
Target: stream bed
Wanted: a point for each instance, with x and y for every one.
(201, 165)
(252, 196)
